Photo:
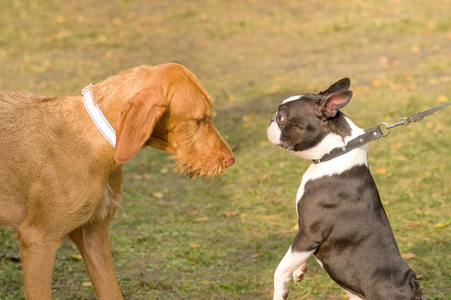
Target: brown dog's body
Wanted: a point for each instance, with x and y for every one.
(59, 176)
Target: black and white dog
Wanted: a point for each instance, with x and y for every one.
(342, 222)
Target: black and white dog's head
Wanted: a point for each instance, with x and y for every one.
(310, 125)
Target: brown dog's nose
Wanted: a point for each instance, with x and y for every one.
(229, 162)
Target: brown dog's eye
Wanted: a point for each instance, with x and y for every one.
(200, 121)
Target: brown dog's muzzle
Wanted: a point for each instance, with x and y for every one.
(229, 162)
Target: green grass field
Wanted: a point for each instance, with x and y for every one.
(223, 238)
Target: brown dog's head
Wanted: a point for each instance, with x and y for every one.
(171, 111)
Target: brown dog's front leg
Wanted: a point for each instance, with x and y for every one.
(92, 241)
(38, 252)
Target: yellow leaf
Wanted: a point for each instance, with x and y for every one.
(441, 225)
(60, 19)
(415, 49)
(164, 170)
(442, 98)
(438, 127)
(77, 257)
(117, 22)
(158, 195)
(201, 219)
(377, 83)
(194, 245)
(408, 255)
(204, 282)
(87, 283)
(417, 211)
(381, 171)
(271, 217)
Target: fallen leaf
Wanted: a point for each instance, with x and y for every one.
(438, 127)
(229, 214)
(408, 255)
(377, 83)
(60, 19)
(158, 195)
(415, 49)
(271, 217)
(201, 219)
(345, 296)
(194, 245)
(417, 211)
(62, 34)
(109, 54)
(381, 171)
(383, 61)
(441, 225)
(255, 230)
(117, 22)
(396, 146)
(204, 282)
(256, 255)
(442, 99)
(86, 283)
(412, 225)
(77, 257)
(164, 170)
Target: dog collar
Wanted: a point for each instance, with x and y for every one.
(98, 117)
(375, 133)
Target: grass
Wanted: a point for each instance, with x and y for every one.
(223, 239)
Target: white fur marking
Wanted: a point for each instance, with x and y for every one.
(292, 98)
(274, 133)
(358, 156)
(290, 262)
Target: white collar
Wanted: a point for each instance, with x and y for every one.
(97, 116)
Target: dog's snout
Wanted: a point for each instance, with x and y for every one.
(229, 162)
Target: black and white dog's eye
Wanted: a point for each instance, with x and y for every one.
(281, 118)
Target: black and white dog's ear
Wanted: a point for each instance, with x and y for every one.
(340, 85)
(332, 102)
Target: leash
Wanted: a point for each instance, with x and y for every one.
(375, 133)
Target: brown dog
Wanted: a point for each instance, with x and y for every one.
(59, 176)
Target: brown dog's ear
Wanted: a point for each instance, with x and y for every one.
(335, 101)
(137, 118)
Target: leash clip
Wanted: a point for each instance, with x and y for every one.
(386, 128)
(402, 121)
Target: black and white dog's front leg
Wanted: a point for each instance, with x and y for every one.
(293, 262)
